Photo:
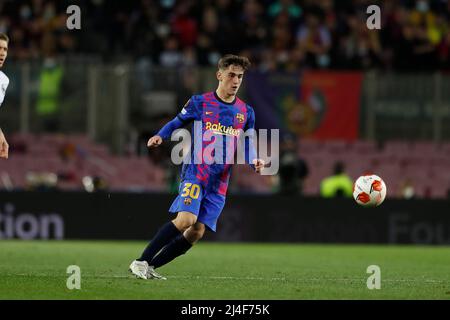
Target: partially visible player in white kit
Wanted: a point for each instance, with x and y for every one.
(4, 82)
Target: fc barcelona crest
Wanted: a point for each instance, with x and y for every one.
(187, 201)
(240, 117)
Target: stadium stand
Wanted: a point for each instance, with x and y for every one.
(426, 164)
(274, 34)
(72, 157)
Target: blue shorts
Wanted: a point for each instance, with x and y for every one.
(207, 206)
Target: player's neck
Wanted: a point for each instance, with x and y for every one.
(224, 97)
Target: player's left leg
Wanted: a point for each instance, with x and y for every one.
(210, 210)
(180, 245)
(187, 207)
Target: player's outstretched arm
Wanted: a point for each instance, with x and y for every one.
(4, 147)
(165, 132)
(189, 113)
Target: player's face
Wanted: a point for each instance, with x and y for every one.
(231, 79)
(3, 52)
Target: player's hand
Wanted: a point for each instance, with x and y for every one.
(4, 147)
(154, 142)
(259, 164)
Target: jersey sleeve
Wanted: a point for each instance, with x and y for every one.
(190, 111)
(169, 128)
(250, 145)
(186, 115)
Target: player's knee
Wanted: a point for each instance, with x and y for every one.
(195, 233)
(193, 236)
(182, 224)
(184, 220)
(198, 234)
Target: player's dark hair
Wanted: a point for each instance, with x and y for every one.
(4, 37)
(231, 59)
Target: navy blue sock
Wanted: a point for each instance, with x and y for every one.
(164, 235)
(177, 247)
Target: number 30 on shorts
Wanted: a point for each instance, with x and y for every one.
(192, 190)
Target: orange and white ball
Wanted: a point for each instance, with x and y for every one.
(369, 190)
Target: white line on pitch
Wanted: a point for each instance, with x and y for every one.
(245, 278)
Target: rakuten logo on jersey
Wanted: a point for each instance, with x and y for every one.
(221, 129)
(28, 226)
(221, 145)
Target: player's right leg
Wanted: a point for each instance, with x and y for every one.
(178, 246)
(166, 233)
(187, 207)
(140, 267)
(210, 210)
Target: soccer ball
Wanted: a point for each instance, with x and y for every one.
(369, 190)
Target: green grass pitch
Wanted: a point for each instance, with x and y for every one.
(37, 270)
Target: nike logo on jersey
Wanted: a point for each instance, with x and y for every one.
(209, 112)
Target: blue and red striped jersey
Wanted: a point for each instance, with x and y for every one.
(219, 120)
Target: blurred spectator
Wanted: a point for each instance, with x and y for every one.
(414, 51)
(359, 47)
(254, 30)
(293, 169)
(407, 189)
(94, 184)
(294, 11)
(207, 40)
(170, 56)
(184, 25)
(337, 185)
(314, 38)
(47, 106)
(41, 181)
